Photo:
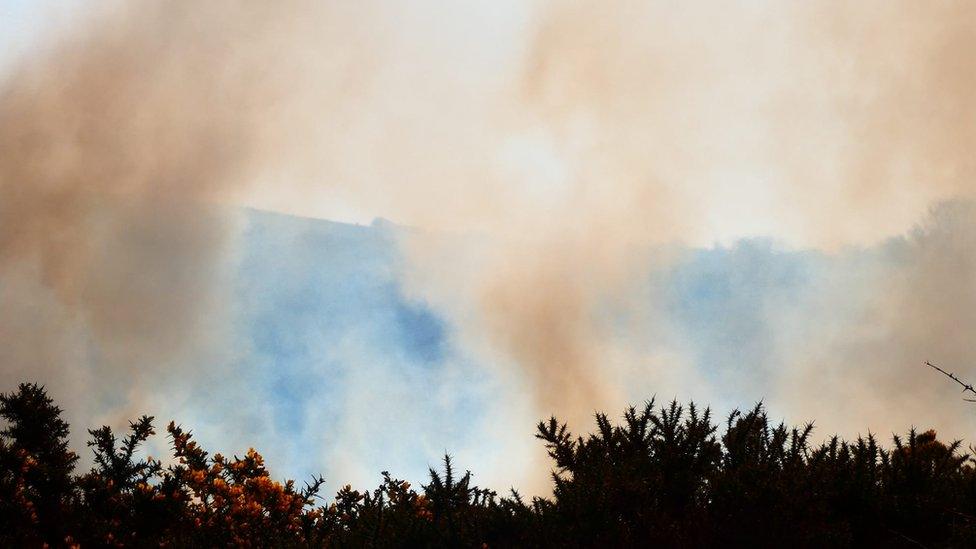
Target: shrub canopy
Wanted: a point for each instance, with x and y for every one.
(665, 475)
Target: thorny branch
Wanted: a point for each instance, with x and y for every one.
(950, 375)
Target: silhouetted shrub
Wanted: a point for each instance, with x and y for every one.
(665, 476)
(36, 487)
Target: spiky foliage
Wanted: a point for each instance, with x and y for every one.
(663, 476)
(36, 486)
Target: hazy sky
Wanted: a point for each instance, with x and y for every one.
(24, 24)
(594, 202)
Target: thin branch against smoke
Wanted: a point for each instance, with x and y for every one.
(950, 375)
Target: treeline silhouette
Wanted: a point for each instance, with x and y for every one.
(664, 476)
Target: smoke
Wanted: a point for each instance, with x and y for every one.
(631, 127)
(858, 337)
(875, 119)
(827, 126)
(118, 145)
(568, 150)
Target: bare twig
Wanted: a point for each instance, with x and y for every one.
(950, 375)
(906, 538)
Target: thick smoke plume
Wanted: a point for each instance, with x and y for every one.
(634, 125)
(572, 142)
(119, 146)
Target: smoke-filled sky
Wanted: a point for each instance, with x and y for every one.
(588, 203)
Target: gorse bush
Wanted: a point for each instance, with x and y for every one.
(664, 476)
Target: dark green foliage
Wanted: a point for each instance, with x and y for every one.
(36, 486)
(114, 508)
(665, 476)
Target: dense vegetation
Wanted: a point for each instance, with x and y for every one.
(664, 476)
